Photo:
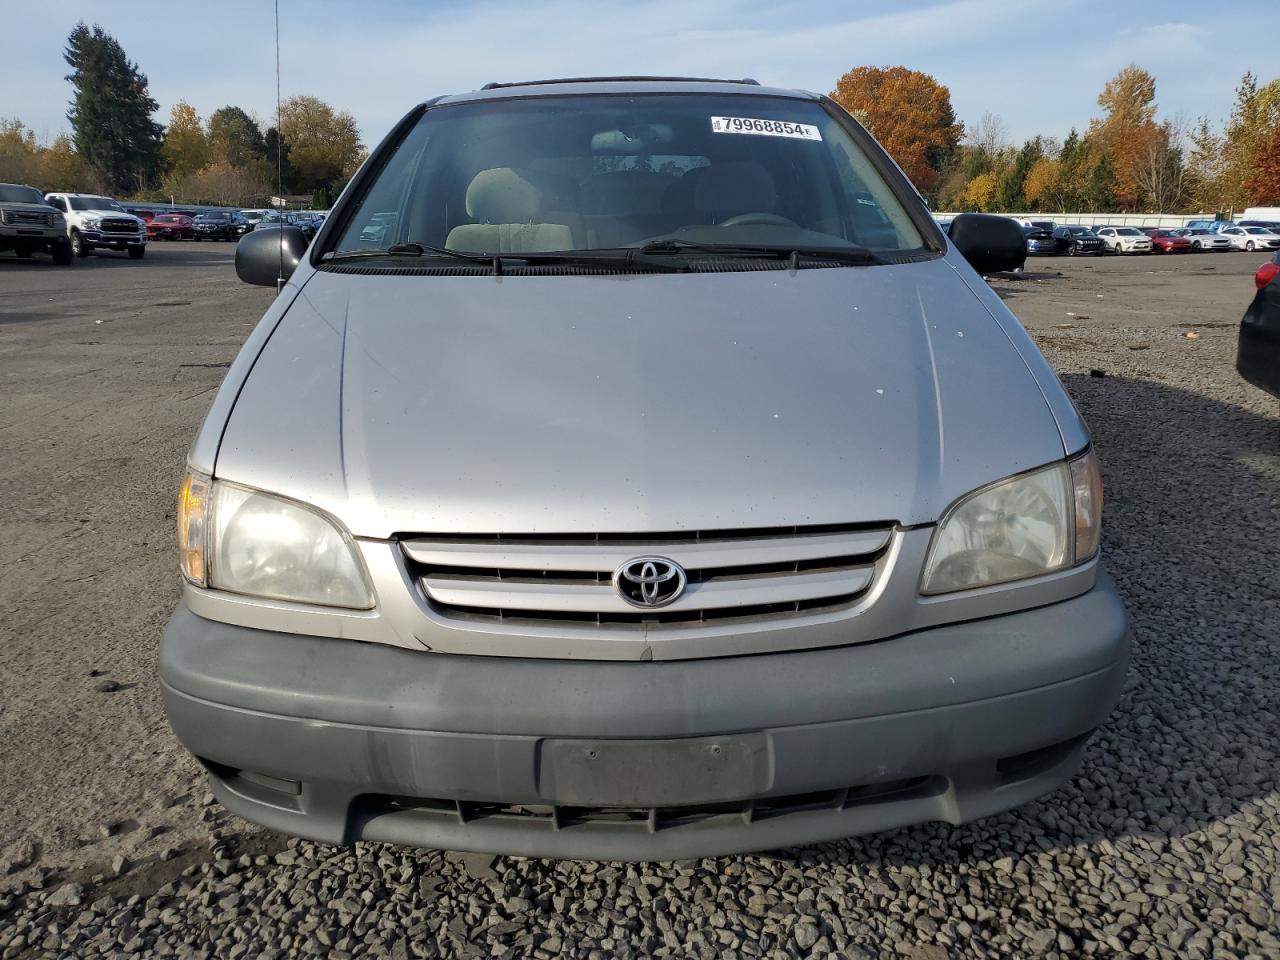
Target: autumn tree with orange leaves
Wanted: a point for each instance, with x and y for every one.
(909, 112)
(1128, 133)
(1264, 185)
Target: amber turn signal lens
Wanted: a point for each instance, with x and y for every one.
(1086, 481)
(193, 506)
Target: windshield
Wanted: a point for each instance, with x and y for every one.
(12, 193)
(215, 216)
(94, 203)
(551, 174)
(1256, 230)
(1128, 232)
(1080, 231)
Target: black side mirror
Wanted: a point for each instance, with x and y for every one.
(990, 243)
(269, 256)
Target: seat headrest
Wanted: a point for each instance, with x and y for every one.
(740, 186)
(501, 195)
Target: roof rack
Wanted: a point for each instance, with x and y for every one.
(537, 83)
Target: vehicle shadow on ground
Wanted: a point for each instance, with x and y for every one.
(1008, 289)
(10, 318)
(1192, 535)
(181, 255)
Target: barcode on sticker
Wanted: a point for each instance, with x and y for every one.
(765, 128)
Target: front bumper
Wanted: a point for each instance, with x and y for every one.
(340, 741)
(116, 241)
(21, 233)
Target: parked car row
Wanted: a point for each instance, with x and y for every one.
(1045, 238)
(70, 225)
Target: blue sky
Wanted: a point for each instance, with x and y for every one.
(1036, 65)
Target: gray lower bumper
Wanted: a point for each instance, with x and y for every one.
(98, 239)
(341, 741)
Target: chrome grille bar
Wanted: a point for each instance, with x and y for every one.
(607, 557)
(753, 572)
(532, 595)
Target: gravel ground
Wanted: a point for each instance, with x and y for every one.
(1167, 844)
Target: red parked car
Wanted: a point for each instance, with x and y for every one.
(171, 226)
(1166, 241)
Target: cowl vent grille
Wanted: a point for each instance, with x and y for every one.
(512, 269)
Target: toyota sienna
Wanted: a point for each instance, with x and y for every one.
(632, 469)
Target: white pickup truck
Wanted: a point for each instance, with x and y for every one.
(28, 225)
(95, 222)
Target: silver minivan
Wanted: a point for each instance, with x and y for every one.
(632, 469)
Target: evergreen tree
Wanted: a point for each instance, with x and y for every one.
(273, 144)
(1009, 192)
(235, 137)
(1100, 186)
(111, 112)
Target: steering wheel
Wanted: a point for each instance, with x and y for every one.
(762, 219)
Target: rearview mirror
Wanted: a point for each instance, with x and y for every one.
(268, 255)
(990, 243)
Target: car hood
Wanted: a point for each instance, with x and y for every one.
(637, 403)
(28, 207)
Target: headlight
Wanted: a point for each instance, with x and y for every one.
(1026, 526)
(244, 541)
(91, 223)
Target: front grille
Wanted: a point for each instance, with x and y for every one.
(23, 218)
(655, 819)
(119, 225)
(569, 579)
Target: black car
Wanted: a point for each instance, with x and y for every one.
(221, 226)
(1077, 241)
(1258, 355)
(308, 224)
(1039, 240)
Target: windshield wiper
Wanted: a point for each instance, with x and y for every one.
(619, 258)
(845, 254)
(408, 250)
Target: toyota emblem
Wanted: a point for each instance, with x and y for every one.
(650, 582)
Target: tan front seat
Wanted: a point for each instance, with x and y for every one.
(513, 216)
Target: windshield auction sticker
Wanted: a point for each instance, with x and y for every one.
(765, 128)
